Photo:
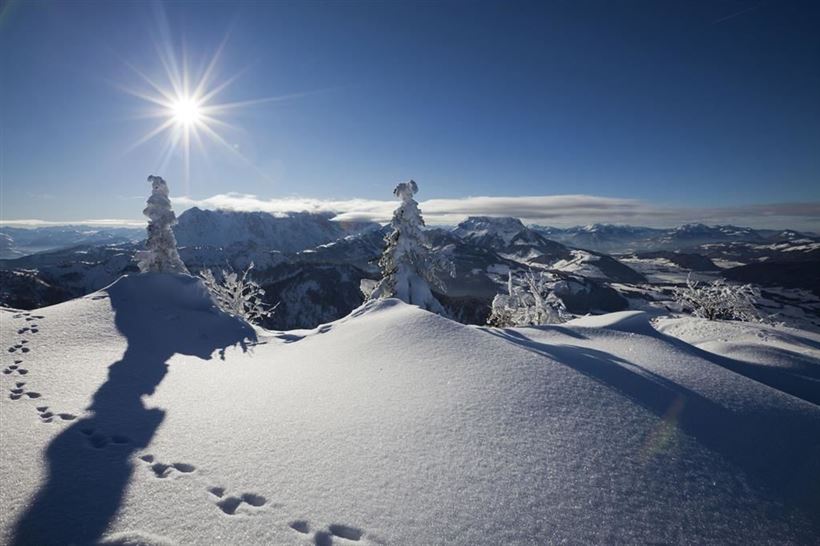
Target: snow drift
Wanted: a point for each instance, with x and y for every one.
(390, 426)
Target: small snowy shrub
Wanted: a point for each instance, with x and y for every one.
(238, 295)
(719, 300)
(409, 265)
(530, 300)
(160, 254)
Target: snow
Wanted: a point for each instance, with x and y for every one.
(292, 232)
(503, 228)
(160, 254)
(581, 263)
(408, 264)
(391, 426)
(787, 358)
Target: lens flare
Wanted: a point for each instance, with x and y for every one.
(186, 111)
(185, 103)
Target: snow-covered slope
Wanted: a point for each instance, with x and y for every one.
(602, 237)
(16, 242)
(291, 233)
(628, 239)
(390, 426)
(786, 358)
(510, 238)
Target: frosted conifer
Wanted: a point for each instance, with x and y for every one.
(409, 266)
(160, 254)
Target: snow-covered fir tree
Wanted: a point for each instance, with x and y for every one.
(160, 254)
(409, 266)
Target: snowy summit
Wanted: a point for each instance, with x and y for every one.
(142, 414)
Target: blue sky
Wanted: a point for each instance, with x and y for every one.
(685, 110)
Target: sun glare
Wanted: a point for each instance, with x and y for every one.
(186, 111)
(184, 102)
(185, 106)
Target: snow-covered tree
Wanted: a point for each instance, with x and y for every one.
(160, 254)
(238, 295)
(719, 300)
(409, 266)
(530, 300)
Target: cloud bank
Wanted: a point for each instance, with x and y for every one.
(554, 210)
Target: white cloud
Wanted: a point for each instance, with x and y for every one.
(555, 210)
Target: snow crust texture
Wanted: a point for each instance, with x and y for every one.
(392, 426)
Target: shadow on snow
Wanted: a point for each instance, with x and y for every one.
(90, 462)
(778, 452)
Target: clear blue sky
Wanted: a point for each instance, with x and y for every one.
(701, 104)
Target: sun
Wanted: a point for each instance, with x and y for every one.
(185, 107)
(186, 111)
(184, 102)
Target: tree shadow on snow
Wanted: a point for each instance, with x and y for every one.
(778, 452)
(90, 463)
(801, 380)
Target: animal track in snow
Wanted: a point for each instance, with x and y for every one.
(345, 531)
(19, 392)
(19, 347)
(99, 440)
(47, 416)
(230, 504)
(11, 368)
(162, 470)
(324, 537)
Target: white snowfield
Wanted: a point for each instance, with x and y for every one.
(392, 426)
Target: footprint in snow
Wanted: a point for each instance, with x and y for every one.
(162, 470)
(19, 392)
(47, 416)
(230, 503)
(15, 368)
(99, 440)
(324, 537)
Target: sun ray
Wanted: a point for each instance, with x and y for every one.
(151, 134)
(183, 98)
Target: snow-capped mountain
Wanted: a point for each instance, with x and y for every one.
(288, 233)
(143, 415)
(624, 239)
(7, 248)
(796, 250)
(689, 235)
(16, 242)
(787, 235)
(321, 283)
(509, 237)
(361, 249)
(606, 238)
(75, 271)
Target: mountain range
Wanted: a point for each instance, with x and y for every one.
(313, 267)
